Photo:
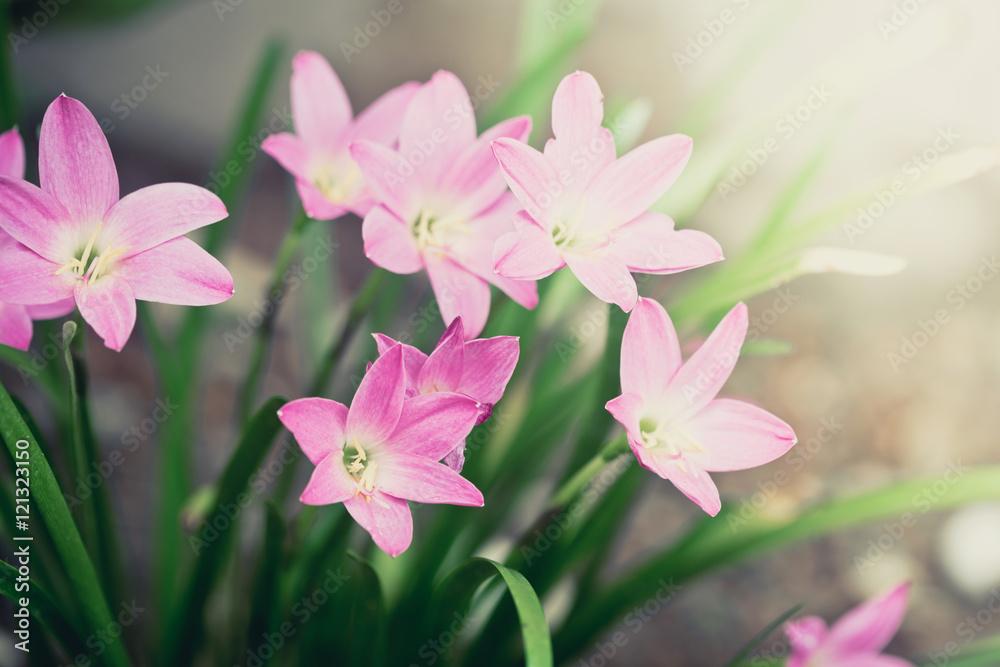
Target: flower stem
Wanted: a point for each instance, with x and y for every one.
(88, 523)
(575, 484)
(275, 296)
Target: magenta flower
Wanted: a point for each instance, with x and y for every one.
(587, 210)
(479, 369)
(15, 319)
(76, 239)
(676, 426)
(384, 450)
(856, 640)
(318, 156)
(443, 202)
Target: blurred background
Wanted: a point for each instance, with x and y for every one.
(889, 376)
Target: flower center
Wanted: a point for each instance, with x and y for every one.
(439, 232)
(338, 185)
(361, 469)
(672, 440)
(96, 267)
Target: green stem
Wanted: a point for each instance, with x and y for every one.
(81, 458)
(575, 484)
(275, 296)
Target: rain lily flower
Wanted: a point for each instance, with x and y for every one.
(384, 450)
(15, 319)
(585, 209)
(76, 238)
(318, 155)
(479, 369)
(443, 202)
(675, 424)
(856, 640)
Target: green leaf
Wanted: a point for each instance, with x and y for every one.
(757, 639)
(767, 347)
(265, 595)
(41, 608)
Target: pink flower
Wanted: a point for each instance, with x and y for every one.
(15, 319)
(586, 210)
(318, 156)
(443, 202)
(76, 239)
(856, 640)
(479, 369)
(383, 451)
(676, 427)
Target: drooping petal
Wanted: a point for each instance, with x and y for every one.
(869, 627)
(606, 277)
(315, 203)
(699, 380)
(290, 151)
(74, 161)
(650, 244)
(387, 520)
(394, 182)
(11, 154)
(737, 435)
(158, 213)
(425, 481)
(378, 402)
(488, 366)
(806, 636)
(389, 243)
(320, 105)
(413, 359)
(431, 424)
(27, 278)
(109, 307)
(627, 411)
(528, 253)
(330, 482)
(634, 182)
(48, 311)
(38, 220)
(178, 272)
(438, 126)
(380, 121)
(15, 326)
(443, 368)
(459, 293)
(318, 424)
(695, 484)
(651, 353)
(532, 178)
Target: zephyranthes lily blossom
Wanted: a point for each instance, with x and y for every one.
(15, 320)
(443, 202)
(76, 239)
(318, 155)
(856, 640)
(384, 450)
(587, 210)
(676, 426)
(479, 369)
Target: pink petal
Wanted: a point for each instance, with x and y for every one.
(178, 272)
(870, 661)
(438, 125)
(532, 178)
(25, 277)
(74, 161)
(488, 366)
(806, 637)
(36, 219)
(431, 424)
(695, 484)
(48, 311)
(528, 253)
(455, 459)
(381, 120)
(389, 242)
(627, 410)
(650, 244)
(413, 359)
(394, 182)
(424, 481)
(315, 203)
(577, 108)
(700, 379)
(378, 402)
(15, 326)
(606, 277)
(634, 182)
(651, 353)
(387, 520)
(318, 424)
(11, 154)
(330, 482)
(158, 213)
(109, 307)
(320, 105)
(459, 293)
(443, 368)
(290, 151)
(869, 627)
(738, 436)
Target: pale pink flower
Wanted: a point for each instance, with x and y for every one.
(384, 450)
(856, 640)
(585, 209)
(675, 424)
(76, 239)
(443, 202)
(478, 368)
(318, 154)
